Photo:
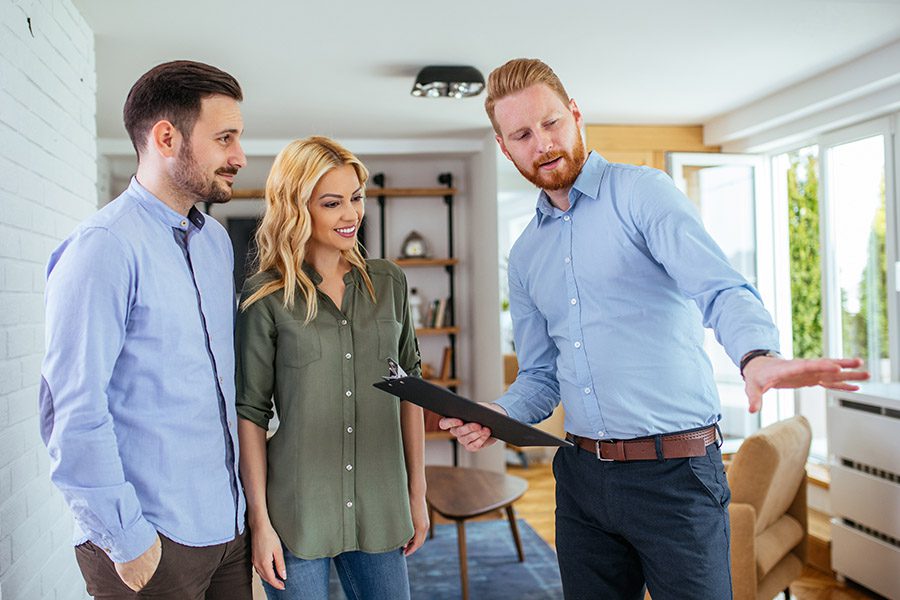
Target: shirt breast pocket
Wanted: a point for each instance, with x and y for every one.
(388, 339)
(299, 345)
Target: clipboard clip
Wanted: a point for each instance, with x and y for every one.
(395, 371)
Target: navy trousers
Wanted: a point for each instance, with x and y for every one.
(660, 523)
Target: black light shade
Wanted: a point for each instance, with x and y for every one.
(455, 82)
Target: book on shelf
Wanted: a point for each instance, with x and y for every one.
(446, 364)
(439, 313)
(428, 321)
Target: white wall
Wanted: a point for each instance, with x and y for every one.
(47, 185)
(861, 89)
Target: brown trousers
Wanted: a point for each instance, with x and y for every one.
(220, 572)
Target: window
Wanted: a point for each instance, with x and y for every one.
(857, 310)
(841, 241)
(796, 178)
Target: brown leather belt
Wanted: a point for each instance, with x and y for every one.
(674, 445)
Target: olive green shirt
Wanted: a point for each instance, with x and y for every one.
(336, 478)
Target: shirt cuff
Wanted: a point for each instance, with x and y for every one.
(257, 416)
(129, 543)
(511, 405)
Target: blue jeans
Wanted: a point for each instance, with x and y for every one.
(363, 576)
(660, 523)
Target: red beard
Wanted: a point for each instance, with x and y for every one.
(563, 176)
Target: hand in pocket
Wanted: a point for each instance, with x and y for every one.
(137, 573)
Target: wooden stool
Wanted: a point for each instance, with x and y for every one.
(459, 494)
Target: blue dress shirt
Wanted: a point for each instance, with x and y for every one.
(137, 391)
(604, 300)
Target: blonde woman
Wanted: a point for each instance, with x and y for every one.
(342, 479)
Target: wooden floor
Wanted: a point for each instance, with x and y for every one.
(539, 503)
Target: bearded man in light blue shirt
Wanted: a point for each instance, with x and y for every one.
(605, 283)
(137, 390)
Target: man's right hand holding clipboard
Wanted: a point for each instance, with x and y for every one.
(472, 436)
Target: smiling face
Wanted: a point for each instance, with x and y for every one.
(336, 208)
(212, 155)
(541, 136)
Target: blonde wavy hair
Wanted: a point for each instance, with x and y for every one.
(286, 226)
(516, 75)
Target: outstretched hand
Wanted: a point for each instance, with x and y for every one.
(472, 436)
(766, 372)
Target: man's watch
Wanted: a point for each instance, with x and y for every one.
(756, 354)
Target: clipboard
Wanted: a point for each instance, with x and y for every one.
(444, 402)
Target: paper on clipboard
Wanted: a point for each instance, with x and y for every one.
(446, 403)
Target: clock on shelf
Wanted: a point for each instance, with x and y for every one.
(414, 246)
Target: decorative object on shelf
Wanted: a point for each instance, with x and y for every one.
(446, 364)
(414, 246)
(415, 307)
(427, 371)
(448, 81)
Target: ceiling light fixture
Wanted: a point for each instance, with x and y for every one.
(455, 82)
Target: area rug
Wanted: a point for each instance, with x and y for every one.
(495, 572)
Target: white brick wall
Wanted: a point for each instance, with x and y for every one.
(48, 176)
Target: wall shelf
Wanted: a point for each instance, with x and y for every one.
(377, 190)
(425, 262)
(420, 331)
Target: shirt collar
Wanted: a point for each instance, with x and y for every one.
(587, 184)
(163, 212)
(349, 278)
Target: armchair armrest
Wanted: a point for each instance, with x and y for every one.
(743, 550)
(799, 510)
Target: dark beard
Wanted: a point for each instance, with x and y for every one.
(559, 179)
(189, 178)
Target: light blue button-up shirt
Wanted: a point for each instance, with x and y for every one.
(604, 299)
(137, 391)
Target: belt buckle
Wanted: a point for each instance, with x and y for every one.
(599, 457)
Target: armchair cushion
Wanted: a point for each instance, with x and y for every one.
(776, 542)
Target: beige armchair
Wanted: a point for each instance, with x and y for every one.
(768, 510)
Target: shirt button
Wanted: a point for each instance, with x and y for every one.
(568, 260)
(348, 393)
(184, 223)
(566, 218)
(573, 301)
(587, 390)
(578, 344)
(349, 430)
(343, 321)
(349, 467)
(601, 433)
(349, 504)
(347, 356)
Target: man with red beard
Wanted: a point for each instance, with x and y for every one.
(604, 287)
(137, 390)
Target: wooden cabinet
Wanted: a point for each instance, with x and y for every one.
(644, 145)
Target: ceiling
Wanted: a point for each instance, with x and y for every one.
(345, 69)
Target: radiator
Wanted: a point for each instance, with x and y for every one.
(864, 451)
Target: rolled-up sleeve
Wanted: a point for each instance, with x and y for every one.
(409, 356)
(88, 294)
(255, 345)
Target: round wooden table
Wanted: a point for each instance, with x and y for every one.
(459, 494)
